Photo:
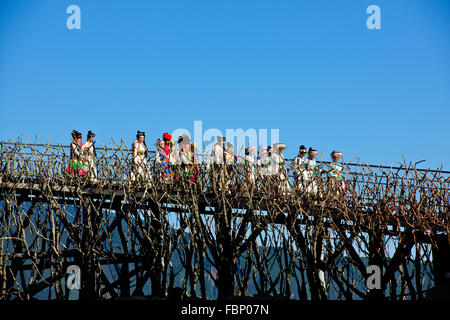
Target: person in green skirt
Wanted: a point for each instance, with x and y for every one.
(76, 157)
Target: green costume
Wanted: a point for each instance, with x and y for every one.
(335, 169)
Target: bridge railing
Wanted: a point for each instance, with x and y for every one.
(369, 183)
(41, 158)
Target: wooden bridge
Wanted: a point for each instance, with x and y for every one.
(168, 237)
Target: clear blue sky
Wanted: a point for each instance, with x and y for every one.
(311, 69)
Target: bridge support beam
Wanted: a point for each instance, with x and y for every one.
(225, 283)
(86, 260)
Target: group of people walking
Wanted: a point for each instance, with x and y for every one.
(175, 161)
(171, 161)
(306, 170)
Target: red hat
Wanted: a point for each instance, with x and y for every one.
(167, 136)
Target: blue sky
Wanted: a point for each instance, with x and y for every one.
(311, 69)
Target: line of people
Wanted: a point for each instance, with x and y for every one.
(175, 162)
(306, 170)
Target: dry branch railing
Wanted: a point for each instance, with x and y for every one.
(115, 161)
(222, 230)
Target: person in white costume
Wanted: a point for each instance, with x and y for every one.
(298, 167)
(312, 172)
(263, 162)
(220, 159)
(335, 172)
(89, 155)
(141, 168)
(182, 153)
(280, 167)
(218, 151)
(250, 166)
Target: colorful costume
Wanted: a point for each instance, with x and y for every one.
(249, 163)
(169, 148)
(165, 155)
(335, 170)
(185, 159)
(161, 159)
(76, 164)
(230, 157)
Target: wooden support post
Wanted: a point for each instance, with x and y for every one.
(155, 249)
(319, 260)
(225, 283)
(376, 257)
(201, 255)
(86, 261)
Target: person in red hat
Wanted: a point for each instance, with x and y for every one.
(169, 148)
